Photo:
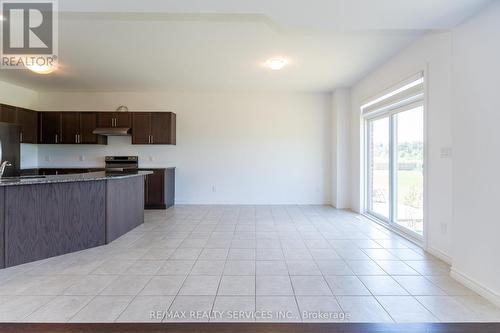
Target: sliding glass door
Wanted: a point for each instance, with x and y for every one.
(378, 168)
(394, 172)
(409, 162)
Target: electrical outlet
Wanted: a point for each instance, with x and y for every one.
(446, 152)
(81, 158)
(46, 158)
(150, 158)
(214, 188)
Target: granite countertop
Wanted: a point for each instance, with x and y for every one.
(79, 177)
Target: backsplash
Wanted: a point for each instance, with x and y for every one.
(29, 156)
(67, 156)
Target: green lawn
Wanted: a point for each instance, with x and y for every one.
(410, 189)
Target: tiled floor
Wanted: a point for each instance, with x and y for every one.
(243, 263)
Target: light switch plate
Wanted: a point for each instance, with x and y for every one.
(446, 152)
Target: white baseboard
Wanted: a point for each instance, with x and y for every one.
(439, 254)
(248, 203)
(484, 291)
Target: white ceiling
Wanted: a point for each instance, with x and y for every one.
(123, 45)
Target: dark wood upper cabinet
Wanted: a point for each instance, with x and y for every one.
(50, 127)
(105, 119)
(114, 119)
(153, 128)
(88, 123)
(163, 128)
(28, 121)
(141, 128)
(123, 119)
(8, 114)
(70, 127)
(77, 127)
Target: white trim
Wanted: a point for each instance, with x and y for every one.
(414, 239)
(401, 106)
(391, 220)
(404, 84)
(475, 286)
(426, 164)
(420, 99)
(439, 254)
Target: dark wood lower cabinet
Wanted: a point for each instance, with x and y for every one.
(125, 206)
(2, 228)
(39, 221)
(159, 188)
(57, 171)
(47, 220)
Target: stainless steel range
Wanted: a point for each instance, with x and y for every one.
(121, 164)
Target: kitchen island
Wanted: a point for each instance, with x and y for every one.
(46, 216)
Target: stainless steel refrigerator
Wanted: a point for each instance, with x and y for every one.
(10, 149)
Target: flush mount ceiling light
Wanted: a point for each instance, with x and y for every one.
(276, 63)
(41, 69)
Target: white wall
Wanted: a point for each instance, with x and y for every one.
(431, 53)
(18, 96)
(476, 141)
(341, 110)
(252, 148)
(462, 70)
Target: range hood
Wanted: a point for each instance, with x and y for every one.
(112, 131)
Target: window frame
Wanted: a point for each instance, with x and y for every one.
(390, 111)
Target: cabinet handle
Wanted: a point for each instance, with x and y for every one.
(76, 138)
(56, 138)
(152, 139)
(21, 137)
